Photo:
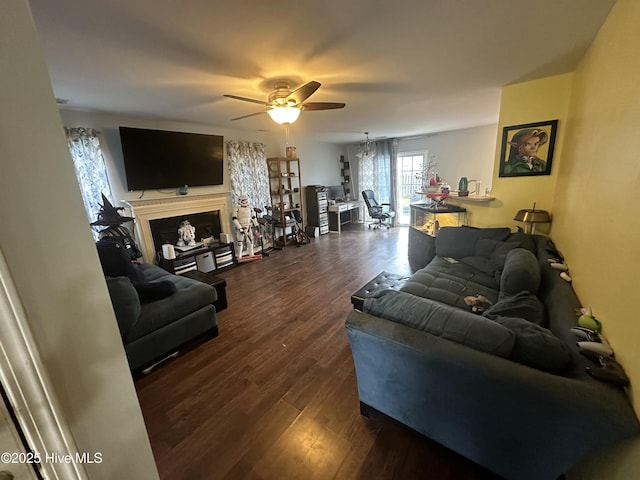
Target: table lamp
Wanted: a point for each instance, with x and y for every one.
(531, 216)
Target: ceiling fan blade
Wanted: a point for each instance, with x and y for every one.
(305, 91)
(322, 106)
(247, 116)
(244, 99)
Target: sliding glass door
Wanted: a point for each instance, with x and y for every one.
(409, 179)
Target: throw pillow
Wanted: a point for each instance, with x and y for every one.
(521, 272)
(152, 291)
(116, 262)
(525, 240)
(480, 263)
(521, 305)
(535, 346)
(486, 246)
(125, 302)
(460, 242)
(499, 255)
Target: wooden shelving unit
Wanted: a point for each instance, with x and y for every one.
(286, 194)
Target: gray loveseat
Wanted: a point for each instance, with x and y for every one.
(506, 388)
(157, 312)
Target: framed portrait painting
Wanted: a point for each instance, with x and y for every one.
(527, 149)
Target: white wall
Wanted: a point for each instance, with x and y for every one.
(54, 265)
(107, 126)
(468, 152)
(318, 161)
(459, 153)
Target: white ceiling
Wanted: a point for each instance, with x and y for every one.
(403, 68)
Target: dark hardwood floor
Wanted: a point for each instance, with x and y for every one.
(275, 395)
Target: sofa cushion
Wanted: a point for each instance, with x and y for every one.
(125, 302)
(525, 240)
(190, 296)
(499, 255)
(521, 272)
(449, 283)
(521, 305)
(116, 262)
(535, 346)
(460, 242)
(441, 320)
(480, 263)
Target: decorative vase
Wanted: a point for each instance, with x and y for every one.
(463, 187)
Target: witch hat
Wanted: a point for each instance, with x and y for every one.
(108, 215)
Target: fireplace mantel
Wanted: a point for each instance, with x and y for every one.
(152, 209)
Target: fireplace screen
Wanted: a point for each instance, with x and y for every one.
(165, 230)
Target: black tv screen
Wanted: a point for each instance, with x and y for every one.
(155, 159)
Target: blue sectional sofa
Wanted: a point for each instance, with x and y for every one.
(506, 388)
(157, 312)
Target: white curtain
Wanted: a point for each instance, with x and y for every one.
(90, 168)
(249, 174)
(377, 170)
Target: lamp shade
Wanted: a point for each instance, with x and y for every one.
(531, 216)
(284, 114)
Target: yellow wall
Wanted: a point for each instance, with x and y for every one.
(597, 200)
(593, 193)
(536, 101)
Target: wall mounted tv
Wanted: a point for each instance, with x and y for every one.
(155, 159)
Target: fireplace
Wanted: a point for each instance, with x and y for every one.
(147, 212)
(165, 230)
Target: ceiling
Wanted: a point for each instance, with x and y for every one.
(403, 68)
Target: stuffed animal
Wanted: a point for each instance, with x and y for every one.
(478, 303)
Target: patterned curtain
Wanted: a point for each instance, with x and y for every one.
(376, 170)
(249, 175)
(90, 168)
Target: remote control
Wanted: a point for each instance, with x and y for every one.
(594, 357)
(587, 334)
(596, 347)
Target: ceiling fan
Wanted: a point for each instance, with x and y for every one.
(285, 105)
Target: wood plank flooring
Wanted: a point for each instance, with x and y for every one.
(274, 397)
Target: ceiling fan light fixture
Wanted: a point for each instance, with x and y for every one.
(285, 114)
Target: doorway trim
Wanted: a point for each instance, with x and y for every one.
(30, 391)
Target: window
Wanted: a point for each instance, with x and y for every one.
(409, 181)
(90, 169)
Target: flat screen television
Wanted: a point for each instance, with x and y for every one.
(155, 159)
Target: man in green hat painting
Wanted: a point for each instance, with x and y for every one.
(522, 155)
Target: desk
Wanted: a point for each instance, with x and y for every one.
(341, 214)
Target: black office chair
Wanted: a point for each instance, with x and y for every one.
(380, 212)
